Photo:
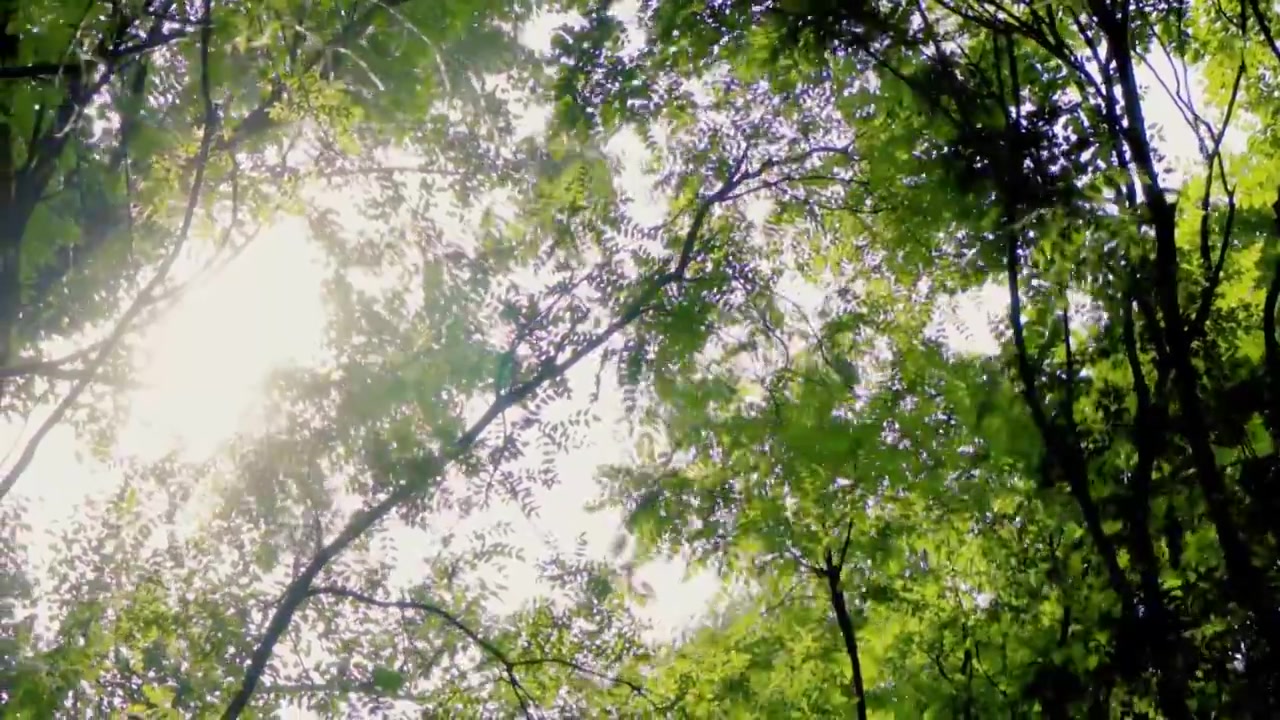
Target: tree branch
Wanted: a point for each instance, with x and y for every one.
(1271, 342)
(1213, 160)
(430, 468)
(46, 367)
(509, 666)
(833, 575)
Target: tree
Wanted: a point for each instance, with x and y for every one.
(1079, 523)
(277, 93)
(1008, 143)
(278, 583)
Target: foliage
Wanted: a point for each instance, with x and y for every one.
(1118, 558)
(1080, 522)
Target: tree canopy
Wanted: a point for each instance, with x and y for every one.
(746, 225)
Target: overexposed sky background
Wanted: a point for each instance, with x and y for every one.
(210, 356)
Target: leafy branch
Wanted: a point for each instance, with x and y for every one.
(429, 469)
(509, 666)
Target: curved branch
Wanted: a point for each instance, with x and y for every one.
(422, 606)
(509, 666)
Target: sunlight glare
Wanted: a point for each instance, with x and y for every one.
(202, 380)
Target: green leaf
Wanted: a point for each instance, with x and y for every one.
(387, 680)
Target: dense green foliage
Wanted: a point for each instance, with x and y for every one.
(1080, 522)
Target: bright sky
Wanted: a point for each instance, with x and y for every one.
(212, 353)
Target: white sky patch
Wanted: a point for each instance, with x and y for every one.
(966, 323)
(645, 204)
(539, 33)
